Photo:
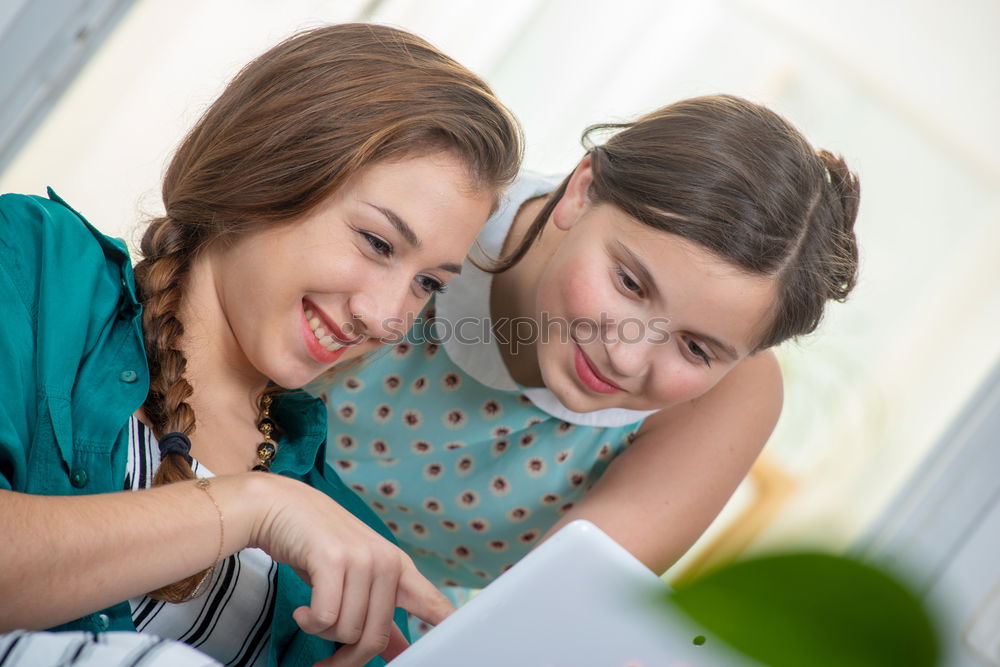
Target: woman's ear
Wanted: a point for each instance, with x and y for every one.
(576, 197)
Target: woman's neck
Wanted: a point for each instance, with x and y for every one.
(513, 294)
(225, 386)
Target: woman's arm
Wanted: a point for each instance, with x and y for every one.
(69, 556)
(661, 493)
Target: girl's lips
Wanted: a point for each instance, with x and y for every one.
(589, 375)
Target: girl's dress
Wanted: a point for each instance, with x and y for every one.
(467, 468)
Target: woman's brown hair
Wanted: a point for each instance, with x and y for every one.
(291, 128)
(742, 182)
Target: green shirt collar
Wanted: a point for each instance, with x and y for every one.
(115, 249)
(303, 420)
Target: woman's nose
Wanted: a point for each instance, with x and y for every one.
(379, 312)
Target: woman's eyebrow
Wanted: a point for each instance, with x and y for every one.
(409, 235)
(404, 229)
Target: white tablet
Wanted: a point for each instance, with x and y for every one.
(578, 600)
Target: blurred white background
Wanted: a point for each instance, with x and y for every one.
(907, 90)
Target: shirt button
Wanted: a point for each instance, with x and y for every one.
(78, 478)
(102, 622)
(128, 376)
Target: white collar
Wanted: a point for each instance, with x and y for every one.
(464, 311)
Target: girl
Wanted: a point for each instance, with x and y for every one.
(617, 366)
(308, 201)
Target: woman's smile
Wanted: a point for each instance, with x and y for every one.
(325, 341)
(296, 298)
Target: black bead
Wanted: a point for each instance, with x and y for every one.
(261, 468)
(266, 451)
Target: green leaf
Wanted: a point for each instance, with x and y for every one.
(812, 609)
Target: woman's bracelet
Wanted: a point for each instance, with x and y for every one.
(204, 483)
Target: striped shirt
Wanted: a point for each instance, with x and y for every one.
(86, 649)
(231, 619)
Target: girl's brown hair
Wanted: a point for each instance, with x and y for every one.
(739, 180)
(292, 127)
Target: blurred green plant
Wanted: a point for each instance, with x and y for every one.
(812, 610)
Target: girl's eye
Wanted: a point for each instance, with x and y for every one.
(698, 352)
(380, 246)
(431, 285)
(628, 282)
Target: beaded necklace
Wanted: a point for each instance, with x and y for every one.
(268, 449)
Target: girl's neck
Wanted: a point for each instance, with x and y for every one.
(512, 295)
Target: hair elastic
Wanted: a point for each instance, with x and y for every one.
(176, 443)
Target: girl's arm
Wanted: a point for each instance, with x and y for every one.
(66, 556)
(659, 495)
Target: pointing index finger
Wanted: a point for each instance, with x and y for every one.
(421, 598)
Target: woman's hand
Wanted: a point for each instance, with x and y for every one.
(358, 577)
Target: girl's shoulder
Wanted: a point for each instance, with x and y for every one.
(527, 185)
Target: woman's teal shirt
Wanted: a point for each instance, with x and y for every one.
(73, 370)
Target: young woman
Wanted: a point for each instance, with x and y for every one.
(617, 366)
(335, 185)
